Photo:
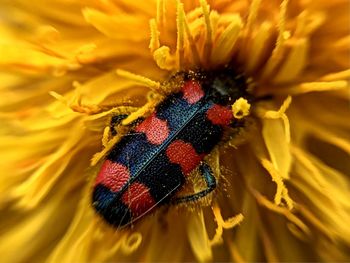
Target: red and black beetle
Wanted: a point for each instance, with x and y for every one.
(150, 164)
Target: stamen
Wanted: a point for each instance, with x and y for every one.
(253, 12)
(83, 53)
(77, 92)
(345, 74)
(198, 237)
(214, 21)
(226, 41)
(47, 34)
(161, 14)
(281, 192)
(304, 159)
(124, 241)
(194, 14)
(114, 111)
(223, 224)
(240, 108)
(180, 22)
(59, 97)
(262, 200)
(342, 44)
(193, 47)
(276, 55)
(37, 186)
(154, 42)
(131, 243)
(281, 26)
(268, 244)
(153, 85)
(75, 103)
(281, 114)
(209, 38)
(295, 61)
(258, 46)
(316, 222)
(164, 59)
(235, 254)
(308, 22)
(328, 135)
(314, 86)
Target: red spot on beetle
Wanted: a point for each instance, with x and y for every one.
(184, 154)
(192, 91)
(112, 175)
(156, 130)
(220, 115)
(138, 198)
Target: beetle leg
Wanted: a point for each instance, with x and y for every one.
(111, 130)
(210, 180)
(117, 119)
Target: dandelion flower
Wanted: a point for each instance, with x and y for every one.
(283, 185)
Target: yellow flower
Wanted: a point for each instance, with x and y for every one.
(67, 66)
